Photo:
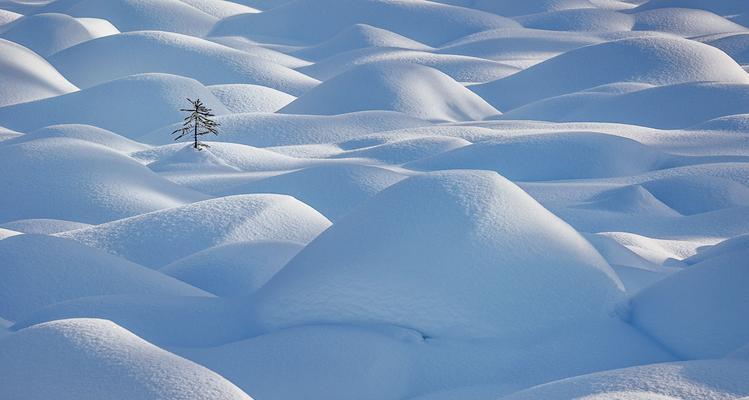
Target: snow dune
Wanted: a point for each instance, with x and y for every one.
(309, 21)
(47, 34)
(27, 76)
(208, 223)
(117, 56)
(414, 90)
(69, 171)
(95, 359)
(654, 60)
(430, 225)
(152, 101)
(40, 270)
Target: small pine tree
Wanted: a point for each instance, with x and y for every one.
(198, 123)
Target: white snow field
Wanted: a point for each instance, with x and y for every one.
(405, 200)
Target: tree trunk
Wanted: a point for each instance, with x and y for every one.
(196, 136)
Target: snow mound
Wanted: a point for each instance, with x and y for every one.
(88, 182)
(159, 237)
(47, 34)
(721, 7)
(699, 312)
(152, 101)
(653, 60)
(665, 107)
(189, 158)
(448, 254)
(26, 76)
(333, 190)
(582, 20)
(40, 270)
(266, 130)
(234, 156)
(736, 46)
(691, 195)
(236, 269)
(512, 8)
(412, 89)
(94, 359)
(521, 47)
(405, 150)
(220, 8)
(83, 132)
(310, 21)
(178, 321)
(738, 123)
(703, 379)
(459, 68)
(43, 226)
(139, 15)
(729, 245)
(552, 156)
(244, 98)
(7, 17)
(684, 22)
(116, 56)
(633, 199)
(359, 36)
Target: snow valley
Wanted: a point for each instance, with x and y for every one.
(374, 199)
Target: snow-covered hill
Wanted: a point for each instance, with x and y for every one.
(406, 199)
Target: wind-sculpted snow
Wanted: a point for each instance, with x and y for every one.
(157, 238)
(26, 76)
(654, 60)
(40, 270)
(458, 263)
(70, 172)
(403, 200)
(308, 21)
(92, 359)
(412, 89)
(117, 56)
(151, 100)
(47, 34)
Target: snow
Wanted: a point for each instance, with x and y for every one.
(132, 53)
(69, 171)
(208, 223)
(414, 90)
(406, 199)
(154, 98)
(655, 60)
(27, 76)
(565, 155)
(47, 34)
(94, 359)
(699, 312)
(245, 98)
(41, 270)
(417, 284)
(234, 269)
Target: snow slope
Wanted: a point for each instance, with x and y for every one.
(26, 76)
(69, 171)
(654, 60)
(430, 225)
(94, 359)
(414, 90)
(132, 53)
(47, 34)
(236, 269)
(207, 223)
(41, 270)
(153, 100)
(309, 21)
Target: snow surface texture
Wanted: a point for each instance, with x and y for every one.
(407, 199)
